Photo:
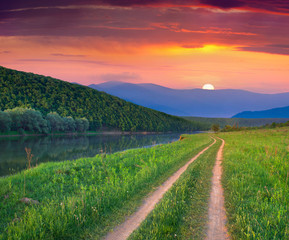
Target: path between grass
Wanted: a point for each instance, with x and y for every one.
(124, 230)
(217, 215)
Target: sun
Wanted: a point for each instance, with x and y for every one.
(208, 86)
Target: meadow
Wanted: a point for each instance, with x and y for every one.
(182, 213)
(255, 179)
(85, 198)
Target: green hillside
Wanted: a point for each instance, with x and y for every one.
(103, 111)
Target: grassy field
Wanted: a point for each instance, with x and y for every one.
(182, 213)
(255, 179)
(85, 198)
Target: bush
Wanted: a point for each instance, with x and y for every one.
(21, 131)
(5, 122)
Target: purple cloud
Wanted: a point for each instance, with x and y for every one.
(269, 5)
(119, 77)
(224, 3)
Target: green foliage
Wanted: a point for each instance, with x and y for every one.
(86, 198)
(29, 120)
(240, 122)
(5, 122)
(215, 128)
(45, 94)
(81, 124)
(55, 122)
(228, 128)
(255, 180)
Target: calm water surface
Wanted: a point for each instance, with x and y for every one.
(60, 148)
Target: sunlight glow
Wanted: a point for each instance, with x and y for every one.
(208, 87)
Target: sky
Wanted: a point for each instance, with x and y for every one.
(237, 44)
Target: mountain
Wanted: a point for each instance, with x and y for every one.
(270, 113)
(193, 102)
(46, 94)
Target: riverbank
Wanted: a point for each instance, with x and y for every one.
(86, 198)
(63, 147)
(15, 134)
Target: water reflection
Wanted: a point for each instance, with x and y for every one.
(60, 148)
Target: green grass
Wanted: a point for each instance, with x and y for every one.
(182, 213)
(85, 198)
(256, 178)
(12, 133)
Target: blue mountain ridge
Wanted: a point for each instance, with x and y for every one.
(194, 102)
(270, 113)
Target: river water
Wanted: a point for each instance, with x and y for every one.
(60, 148)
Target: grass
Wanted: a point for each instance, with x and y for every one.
(182, 213)
(85, 198)
(256, 178)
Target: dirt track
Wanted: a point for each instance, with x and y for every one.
(124, 230)
(217, 216)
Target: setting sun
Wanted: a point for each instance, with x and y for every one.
(208, 87)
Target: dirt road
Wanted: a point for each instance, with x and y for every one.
(217, 216)
(124, 230)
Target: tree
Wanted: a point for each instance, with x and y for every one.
(69, 124)
(81, 124)
(228, 128)
(216, 127)
(32, 120)
(55, 122)
(85, 124)
(16, 116)
(5, 122)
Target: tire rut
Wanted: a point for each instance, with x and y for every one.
(124, 230)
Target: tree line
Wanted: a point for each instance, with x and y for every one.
(103, 111)
(236, 127)
(238, 122)
(30, 120)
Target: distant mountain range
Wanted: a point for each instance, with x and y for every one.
(270, 113)
(194, 102)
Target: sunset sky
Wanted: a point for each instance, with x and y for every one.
(240, 44)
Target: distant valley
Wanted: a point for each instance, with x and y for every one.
(194, 102)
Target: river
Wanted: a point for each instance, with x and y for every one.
(60, 148)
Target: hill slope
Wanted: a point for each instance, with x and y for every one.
(193, 102)
(47, 94)
(270, 113)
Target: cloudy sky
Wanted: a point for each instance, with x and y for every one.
(241, 44)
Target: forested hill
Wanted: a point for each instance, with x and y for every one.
(46, 94)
